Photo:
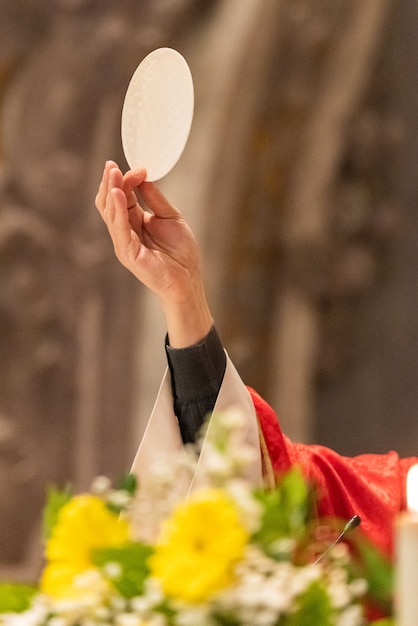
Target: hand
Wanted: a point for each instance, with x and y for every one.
(158, 247)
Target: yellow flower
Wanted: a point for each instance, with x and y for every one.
(199, 546)
(84, 523)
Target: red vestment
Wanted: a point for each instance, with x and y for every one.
(370, 485)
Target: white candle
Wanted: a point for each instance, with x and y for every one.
(406, 592)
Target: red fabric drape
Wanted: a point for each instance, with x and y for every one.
(370, 485)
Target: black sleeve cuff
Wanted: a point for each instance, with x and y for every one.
(196, 374)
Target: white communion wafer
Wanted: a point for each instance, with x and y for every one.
(158, 112)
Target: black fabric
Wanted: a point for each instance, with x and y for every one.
(196, 373)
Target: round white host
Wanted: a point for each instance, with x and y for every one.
(158, 112)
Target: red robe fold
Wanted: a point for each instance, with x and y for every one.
(370, 485)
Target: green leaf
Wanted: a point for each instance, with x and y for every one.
(56, 499)
(128, 483)
(314, 608)
(126, 566)
(226, 619)
(371, 564)
(285, 511)
(15, 597)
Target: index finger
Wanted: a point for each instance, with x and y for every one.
(131, 181)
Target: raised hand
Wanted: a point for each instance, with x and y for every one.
(156, 244)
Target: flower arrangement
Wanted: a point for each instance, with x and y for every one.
(227, 555)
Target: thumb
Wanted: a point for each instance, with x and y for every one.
(157, 202)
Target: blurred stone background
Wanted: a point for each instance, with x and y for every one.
(300, 181)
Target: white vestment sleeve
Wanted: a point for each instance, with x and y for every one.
(162, 436)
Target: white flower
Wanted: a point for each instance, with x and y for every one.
(156, 620)
(113, 570)
(144, 605)
(303, 577)
(102, 614)
(153, 591)
(250, 509)
(217, 465)
(341, 554)
(119, 498)
(101, 485)
(118, 603)
(95, 588)
(232, 420)
(57, 621)
(265, 616)
(35, 616)
(358, 587)
(339, 593)
(283, 546)
(243, 456)
(127, 619)
(351, 616)
(191, 616)
(262, 592)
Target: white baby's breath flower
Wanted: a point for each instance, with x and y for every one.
(303, 577)
(87, 611)
(68, 607)
(264, 616)
(143, 605)
(358, 587)
(127, 619)
(232, 420)
(341, 554)
(193, 615)
(156, 620)
(284, 573)
(71, 605)
(35, 616)
(351, 616)
(118, 603)
(100, 485)
(264, 590)
(102, 613)
(339, 595)
(119, 498)
(58, 621)
(339, 591)
(337, 575)
(153, 591)
(161, 474)
(187, 458)
(282, 547)
(279, 599)
(217, 465)
(113, 570)
(140, 605)
(87, 621)
(243, 456)
(95, 587)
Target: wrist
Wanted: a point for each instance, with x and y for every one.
(188, 320)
